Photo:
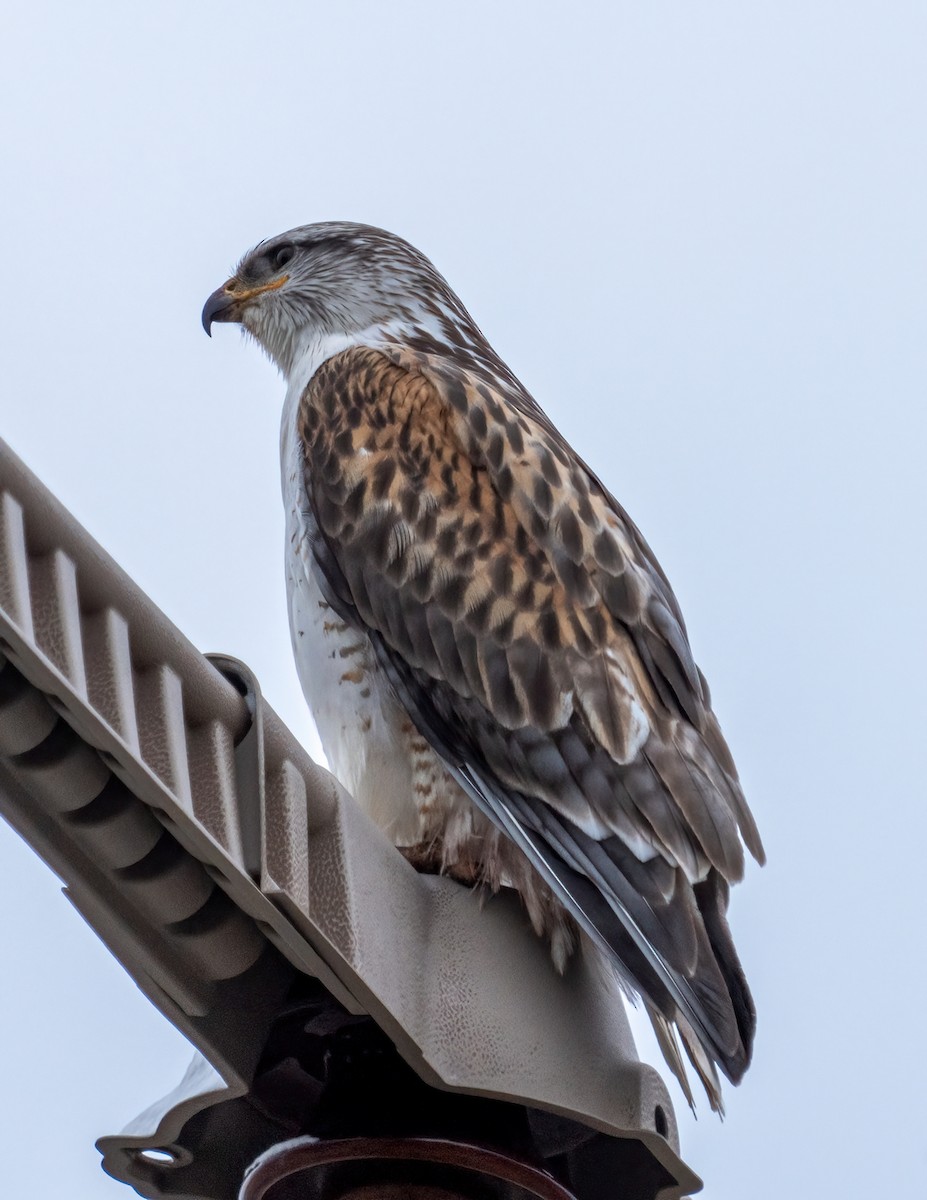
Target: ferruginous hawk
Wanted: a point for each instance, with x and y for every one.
(496, 663)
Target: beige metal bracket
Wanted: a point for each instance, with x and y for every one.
(215, 859)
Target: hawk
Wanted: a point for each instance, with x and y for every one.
(496, 663)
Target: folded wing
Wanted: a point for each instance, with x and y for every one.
(529, 631)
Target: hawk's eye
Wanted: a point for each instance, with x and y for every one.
(281, 256)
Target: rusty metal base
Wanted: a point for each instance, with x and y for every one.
(368, 1168)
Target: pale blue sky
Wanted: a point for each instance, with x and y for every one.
(697, 234)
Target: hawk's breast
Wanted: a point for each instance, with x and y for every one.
(372, 747)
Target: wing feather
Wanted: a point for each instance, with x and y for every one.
(530, 633)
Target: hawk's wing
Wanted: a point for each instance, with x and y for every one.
(530, 633)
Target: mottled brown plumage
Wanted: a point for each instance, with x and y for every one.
(520, 625)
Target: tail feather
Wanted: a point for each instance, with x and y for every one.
(704, 1067)
(669, 1048)
(713, 984)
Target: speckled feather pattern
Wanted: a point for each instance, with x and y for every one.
(530, 614)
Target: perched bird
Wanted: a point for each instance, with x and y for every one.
(496, 663)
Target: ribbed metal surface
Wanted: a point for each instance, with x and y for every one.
(79, 812)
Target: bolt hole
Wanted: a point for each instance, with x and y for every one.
(159, 1157)
(660, 1122)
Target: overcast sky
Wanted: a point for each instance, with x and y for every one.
(696, 232)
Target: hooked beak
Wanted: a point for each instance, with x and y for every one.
(219, 307)
(226, 302)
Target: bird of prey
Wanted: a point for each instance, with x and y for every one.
(496, 663)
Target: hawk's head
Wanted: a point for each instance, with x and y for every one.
(335, 278)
